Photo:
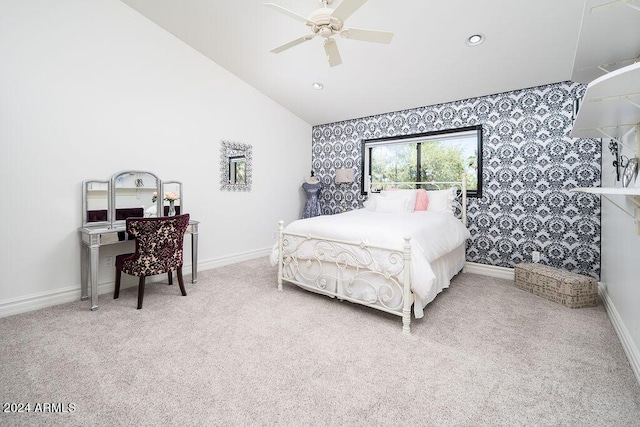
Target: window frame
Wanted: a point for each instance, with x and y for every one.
(415, 138)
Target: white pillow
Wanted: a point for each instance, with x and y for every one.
(441, 200)
(391, 205)
(409, 195)
(370, 203)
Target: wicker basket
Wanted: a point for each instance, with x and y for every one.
(569, 289)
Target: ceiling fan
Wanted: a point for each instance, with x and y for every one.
(327, 22)
(615, 3)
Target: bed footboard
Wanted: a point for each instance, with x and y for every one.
(365, 274)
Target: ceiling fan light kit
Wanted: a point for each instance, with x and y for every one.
(327, 22)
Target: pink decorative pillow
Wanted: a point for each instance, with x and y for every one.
(422, 200)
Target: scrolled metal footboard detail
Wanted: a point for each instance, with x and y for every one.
(365, 274)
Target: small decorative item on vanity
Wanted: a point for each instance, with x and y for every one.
(170, 197)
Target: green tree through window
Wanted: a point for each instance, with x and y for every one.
(394, 163)
(442, 156)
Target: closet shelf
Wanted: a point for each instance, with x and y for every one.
(610, 106)
(628, 191)
(632, 195)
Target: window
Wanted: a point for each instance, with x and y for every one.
(442, 156)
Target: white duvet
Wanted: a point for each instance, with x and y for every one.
(433, 234)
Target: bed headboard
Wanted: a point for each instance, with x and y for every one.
(459, 203)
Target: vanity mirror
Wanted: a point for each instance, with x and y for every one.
(95, 202)
(235, 166)
(133, 194)
(129, 194)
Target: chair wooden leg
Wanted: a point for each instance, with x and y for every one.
(116, 291)
(181, 281)
(170, 274)
(140, 292)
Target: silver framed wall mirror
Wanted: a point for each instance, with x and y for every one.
(235, 166)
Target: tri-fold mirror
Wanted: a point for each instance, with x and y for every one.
(108, 203)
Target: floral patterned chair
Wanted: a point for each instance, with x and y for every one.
(158, 250)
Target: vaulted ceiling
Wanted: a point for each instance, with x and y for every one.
(527, 43)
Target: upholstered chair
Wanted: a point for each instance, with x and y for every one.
(159, 250)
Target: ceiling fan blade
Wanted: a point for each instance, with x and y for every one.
(607, 5)
(346, 8)
(367, 35)
(288, 13)
(292, 43)
(333, 54)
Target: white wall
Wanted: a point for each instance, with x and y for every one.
(88, 88)
(620, 276)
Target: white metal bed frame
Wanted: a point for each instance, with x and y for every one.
(348, 263)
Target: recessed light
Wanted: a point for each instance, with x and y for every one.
(475, 39)
(317, 86)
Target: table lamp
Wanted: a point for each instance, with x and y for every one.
(344, 176)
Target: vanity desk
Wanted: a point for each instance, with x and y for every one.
(105, 207)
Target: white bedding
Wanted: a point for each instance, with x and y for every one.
(433, 235)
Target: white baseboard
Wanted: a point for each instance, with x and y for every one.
(231, 259)
(629, 346)
(489, 270)
(11, 306)
(23, 304)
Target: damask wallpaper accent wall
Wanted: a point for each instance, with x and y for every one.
(529, 165)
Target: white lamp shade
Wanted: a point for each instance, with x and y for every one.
(344, 175)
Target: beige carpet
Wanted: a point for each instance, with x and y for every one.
(235, 351)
